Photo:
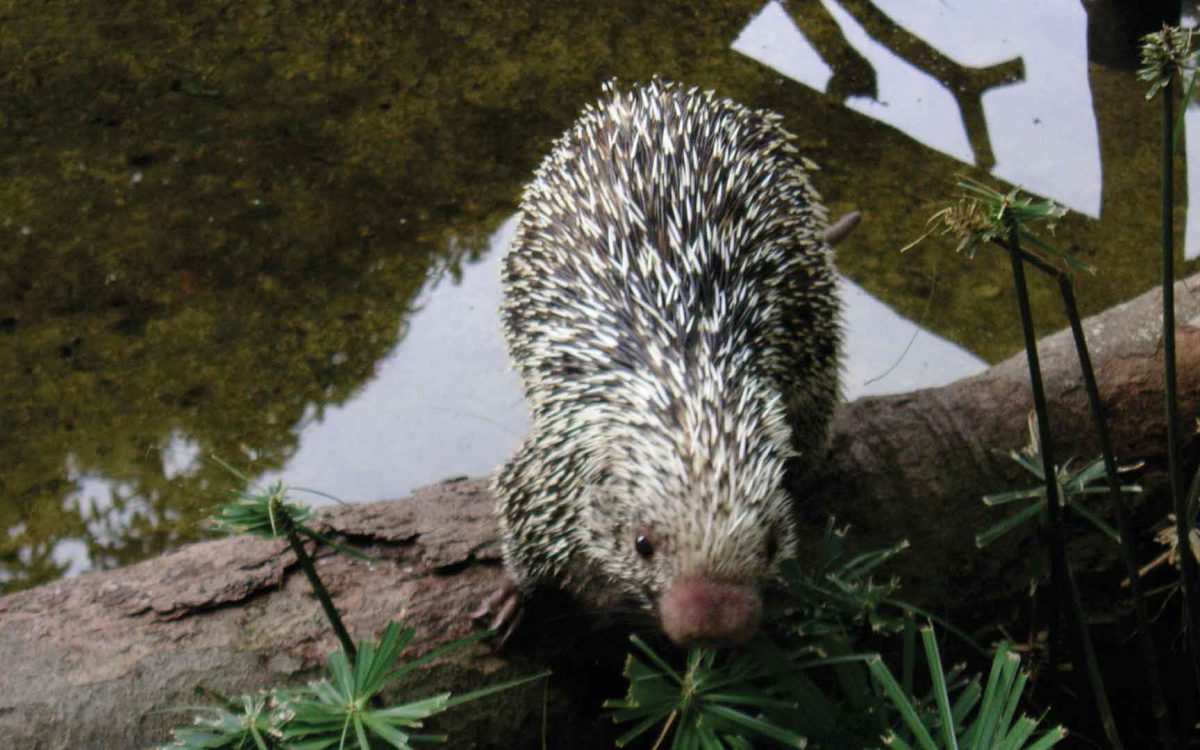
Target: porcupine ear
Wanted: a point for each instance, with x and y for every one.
(839, 229)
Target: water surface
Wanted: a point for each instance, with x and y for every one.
(270, 231)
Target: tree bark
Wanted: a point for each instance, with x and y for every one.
(92, 662)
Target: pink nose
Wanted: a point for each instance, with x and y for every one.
(701, 611)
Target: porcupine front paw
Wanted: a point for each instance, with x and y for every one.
(505, 608)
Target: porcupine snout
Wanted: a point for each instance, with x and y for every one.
(700, 611)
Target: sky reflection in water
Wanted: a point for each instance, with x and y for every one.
(444, 402)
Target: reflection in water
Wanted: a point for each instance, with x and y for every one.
(218, 219)
(887, 353)
(908, 99)
(445, 402)
(1190, 18)
(1026, 84)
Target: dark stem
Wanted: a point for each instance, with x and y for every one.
(1183, 520)
(1120, 508)
(310, 571)
(1058, 584)
(1060, 570)
(1120, 511)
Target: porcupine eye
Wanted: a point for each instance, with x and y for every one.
(644, 545)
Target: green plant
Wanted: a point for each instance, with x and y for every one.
(979, 718)
(723, 699)
(345, 710)
(331, 712)
(1072, 484)
(257, 723)
(982, 215)
(1165, 57)
(804, 679)
(705, 704)
(268, 514)
(837, 594)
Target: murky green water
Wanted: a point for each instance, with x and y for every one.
(217, 217)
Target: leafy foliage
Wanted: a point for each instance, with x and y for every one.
(256, 725)
(705, 704)
(332, 710)
(839, 594)
(341, 711)
(1164, 54)
(1072, 484)
(346, 709)
(982, 215)
(978, 719)
(268, 514)
(260, 513)
(804, 681)
(341, 706)
(1166, 534)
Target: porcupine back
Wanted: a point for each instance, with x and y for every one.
(671, 309)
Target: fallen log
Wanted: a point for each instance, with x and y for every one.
(93, 661)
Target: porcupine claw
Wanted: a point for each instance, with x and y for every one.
(504, 605)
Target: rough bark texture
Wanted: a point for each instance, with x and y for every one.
(89, 662)
(915, 465)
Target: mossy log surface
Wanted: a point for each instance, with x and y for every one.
(91, 662)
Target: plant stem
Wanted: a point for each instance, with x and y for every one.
(1043, 423)
(1183, 520)
(310, 571)
(1060, 571)
(1120, 511)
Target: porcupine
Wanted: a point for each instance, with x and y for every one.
(670, 305)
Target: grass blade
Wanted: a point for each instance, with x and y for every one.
(940, 695)
(901, 702)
